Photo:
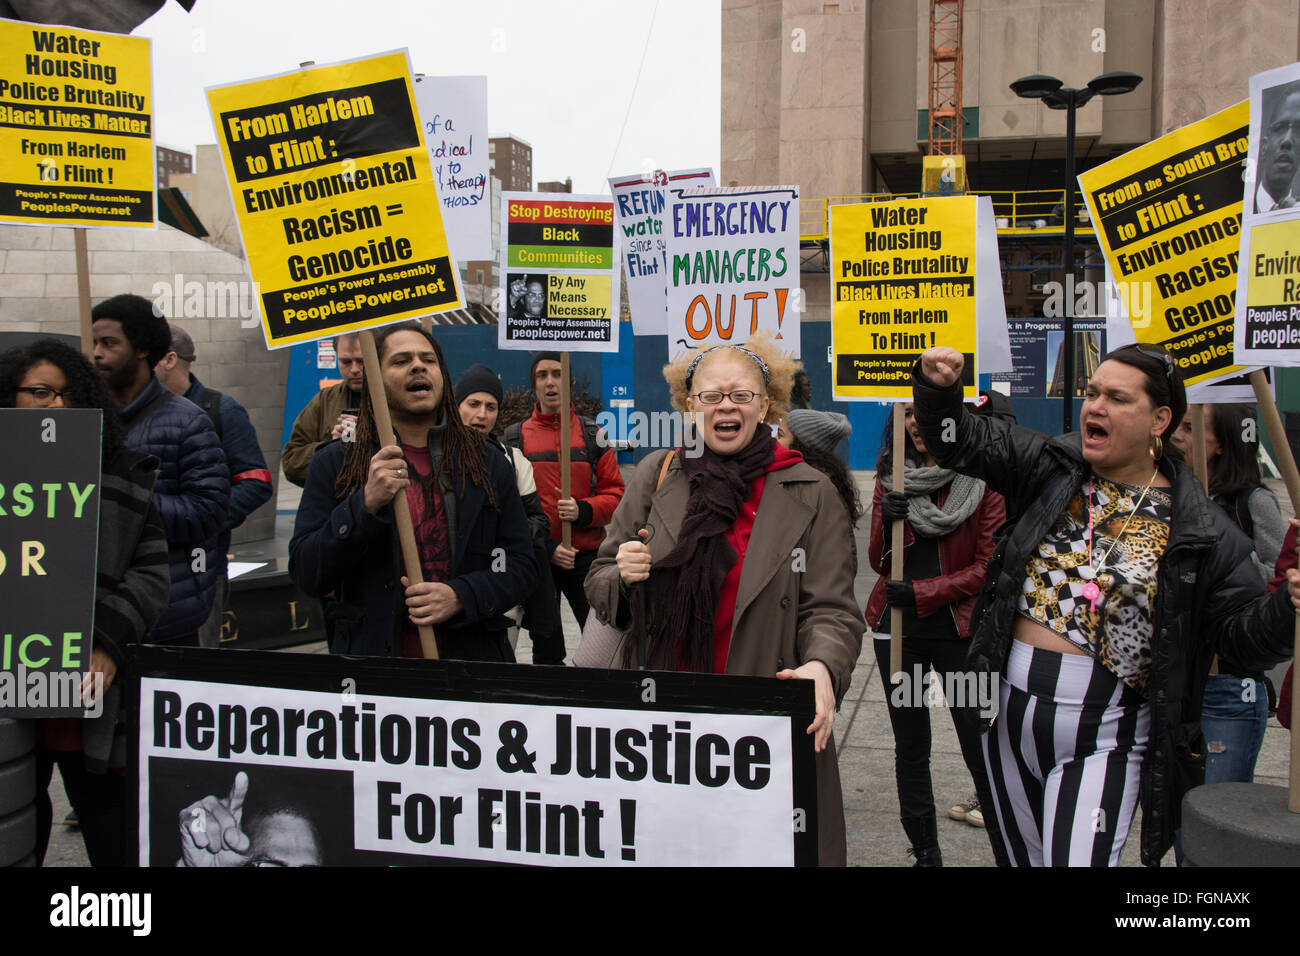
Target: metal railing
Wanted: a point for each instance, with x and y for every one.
(1018, 211)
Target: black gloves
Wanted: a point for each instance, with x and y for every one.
(900, 594)
(894, 506)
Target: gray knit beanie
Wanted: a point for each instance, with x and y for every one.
(818, 430)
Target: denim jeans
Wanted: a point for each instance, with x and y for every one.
(1233, 727)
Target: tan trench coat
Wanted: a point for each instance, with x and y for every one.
(784, 617)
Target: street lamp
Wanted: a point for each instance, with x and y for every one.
(1056, 96)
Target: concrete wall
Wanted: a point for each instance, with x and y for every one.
(38, 293)
(823, 96)
(1206, 51)
(751, 92)
(893, 31)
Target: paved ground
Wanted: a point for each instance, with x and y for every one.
(865, 742)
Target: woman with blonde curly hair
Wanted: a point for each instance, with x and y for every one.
(741, 547)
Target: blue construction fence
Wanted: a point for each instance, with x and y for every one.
(634, 375)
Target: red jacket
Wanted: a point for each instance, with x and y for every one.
(541, 440)
(963, 558)
(1286, 558)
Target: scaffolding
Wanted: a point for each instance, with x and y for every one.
(945, 78)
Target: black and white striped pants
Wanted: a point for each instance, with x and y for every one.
(1065, 758)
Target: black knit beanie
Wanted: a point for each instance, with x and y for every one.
(478, 378)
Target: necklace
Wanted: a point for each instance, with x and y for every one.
(1091, 590)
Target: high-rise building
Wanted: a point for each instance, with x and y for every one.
(835, 97)
(512, 171)
(512, 163)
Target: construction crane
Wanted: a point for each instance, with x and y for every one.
(944, 166)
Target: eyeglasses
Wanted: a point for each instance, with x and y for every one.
(741, 396)
(43, 394)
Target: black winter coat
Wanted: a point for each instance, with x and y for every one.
(1209, 597)
(339, 546)
(192, 494)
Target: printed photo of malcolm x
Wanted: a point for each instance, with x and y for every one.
(1275, 169)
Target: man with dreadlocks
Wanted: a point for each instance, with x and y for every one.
(475, 549)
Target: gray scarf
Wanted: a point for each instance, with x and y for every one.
(928, 520)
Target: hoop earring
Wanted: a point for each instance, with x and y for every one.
(1158, 449)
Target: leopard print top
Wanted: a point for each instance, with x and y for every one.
(1116, 629)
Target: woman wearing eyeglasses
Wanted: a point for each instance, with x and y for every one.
(737, 550)
(1113, 587)
(132, 587)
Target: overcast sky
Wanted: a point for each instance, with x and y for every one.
(561, 73)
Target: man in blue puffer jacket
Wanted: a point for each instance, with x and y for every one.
(193, 488)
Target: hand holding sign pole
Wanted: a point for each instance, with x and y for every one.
(566, 485)
(401, 508)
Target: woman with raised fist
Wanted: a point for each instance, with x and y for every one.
(948, 525)
(1111, 591)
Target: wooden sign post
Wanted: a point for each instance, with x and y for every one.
(401, 509)
(1286, 464)
(1198, 445)
(566, 527)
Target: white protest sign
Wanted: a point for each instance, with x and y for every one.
(994, 337)
(1231, 390)
(387, 779)
(733, 266)
(639, 202)
(453, 112)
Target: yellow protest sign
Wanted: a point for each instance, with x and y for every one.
(902, 280)
(335, 198)
(76, 134)
(1168, 218)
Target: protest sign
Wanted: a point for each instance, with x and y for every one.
(639, 202)
(1119, 332)
(389, 762)
(334, 195)
(76, 127)
(903, 279)
(1268, 287)
(1168, 217)
(994, 335)
(49, 499)
(559, 273)
(733, 266)
(453, 110)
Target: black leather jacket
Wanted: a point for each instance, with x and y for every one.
(1209, 597)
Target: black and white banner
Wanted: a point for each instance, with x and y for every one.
(254, 758)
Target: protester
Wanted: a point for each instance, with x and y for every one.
(475, 552)
(948, 525)
(595, 489)
(1234, 712)
(193, 487)
(1286, 560)
(131, 591)
(330, 415)
(801, 393)
(816, 435)
(745, 571)
(478, 395)
(250, 481)
(1085, 572)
